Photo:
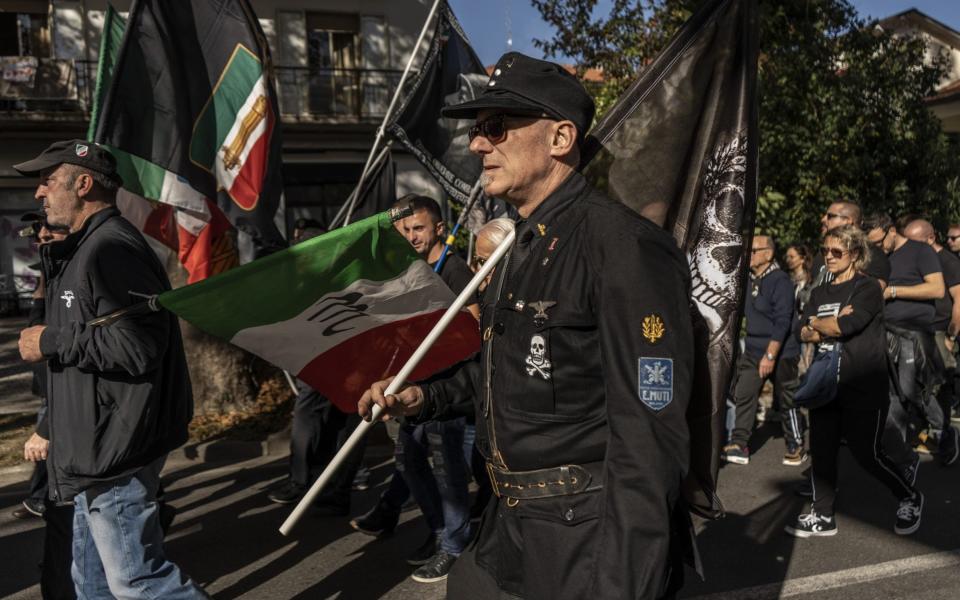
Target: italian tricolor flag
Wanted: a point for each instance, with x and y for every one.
(339, 311)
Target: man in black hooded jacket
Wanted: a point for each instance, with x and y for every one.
(119, 396)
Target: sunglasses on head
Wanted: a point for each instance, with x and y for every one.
(836, 253)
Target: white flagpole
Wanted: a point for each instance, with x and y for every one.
(396, 96)
(467, 295)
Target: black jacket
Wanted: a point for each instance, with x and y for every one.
(119, 396)
(603, 380)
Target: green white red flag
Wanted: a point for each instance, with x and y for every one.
(162, 204)
(338, 311)
(189, 100)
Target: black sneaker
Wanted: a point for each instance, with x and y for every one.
(813, 525)
(949, 446)
(736, 454)
(288, 493)
(436, 569)
(908, 515)
(910, 471)
(379, 521)
(426, 552)
(29, 509)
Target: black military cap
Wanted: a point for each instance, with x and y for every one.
(524, 85)
(75, 152)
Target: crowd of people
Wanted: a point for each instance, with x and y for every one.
(887, 293)
(571, 419)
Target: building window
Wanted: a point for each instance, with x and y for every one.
(332, 58)
(24, 34)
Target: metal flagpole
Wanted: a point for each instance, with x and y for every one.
(293, 384)
(396, 94)
(464, 215)
(467, 295)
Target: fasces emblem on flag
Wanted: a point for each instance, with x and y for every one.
(231, 135)
(655, 382)
(82, 150)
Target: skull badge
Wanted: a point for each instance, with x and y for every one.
(537, 363)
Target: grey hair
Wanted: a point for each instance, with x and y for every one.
(496, 230)
(106, 183)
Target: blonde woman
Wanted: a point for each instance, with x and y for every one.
(849, 310)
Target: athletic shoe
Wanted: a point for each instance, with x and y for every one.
(737, 454)
(795, 456)
(427, 551)
(379, 521)
(908, 515)
(436, 569)
(29, 508)
(288, 493)
(910, 471)
(949, 446)
(813, 525)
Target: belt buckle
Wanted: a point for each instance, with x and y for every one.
(493, 480)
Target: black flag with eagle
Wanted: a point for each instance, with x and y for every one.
(681, 147)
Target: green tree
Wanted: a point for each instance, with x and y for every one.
(842, 111)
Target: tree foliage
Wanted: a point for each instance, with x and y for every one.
(842, 111)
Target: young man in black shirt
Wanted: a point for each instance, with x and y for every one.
(946, 325)
(442, 494)
(916, 282)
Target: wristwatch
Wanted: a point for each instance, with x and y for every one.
(770, 356)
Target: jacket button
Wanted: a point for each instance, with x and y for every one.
(568, 516)
(499, 328)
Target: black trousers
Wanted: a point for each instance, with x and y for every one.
(863, 430)
(747, 393)
(319, 430)
(55, 580)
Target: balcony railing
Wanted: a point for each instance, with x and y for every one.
(33, 84)
(46, 84)
(309, 93)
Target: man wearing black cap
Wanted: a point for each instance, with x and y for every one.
(584, 375)
(119, 396)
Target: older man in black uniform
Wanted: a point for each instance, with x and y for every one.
(584, 374)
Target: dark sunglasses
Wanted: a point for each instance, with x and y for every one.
(836, 253)
(493, 128)
(831, 216)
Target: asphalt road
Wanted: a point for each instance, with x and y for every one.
(225, 536)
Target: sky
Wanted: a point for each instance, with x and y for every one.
(491, 24)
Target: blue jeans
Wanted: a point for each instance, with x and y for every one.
(118, 544)
(441, 491)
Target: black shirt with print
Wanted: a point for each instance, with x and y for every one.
(863, 366)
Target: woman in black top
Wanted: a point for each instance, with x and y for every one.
(849, 309)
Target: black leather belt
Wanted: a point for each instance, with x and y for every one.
(545, 483)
